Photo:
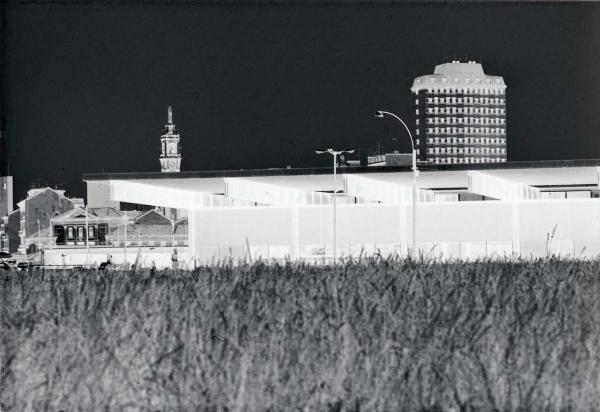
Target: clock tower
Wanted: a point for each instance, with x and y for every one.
(170, 154)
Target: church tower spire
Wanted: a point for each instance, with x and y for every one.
(170, 155)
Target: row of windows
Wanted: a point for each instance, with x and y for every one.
(80, 232)
(465, 90)
(465, 130)
(464, 110)
(467, 150)
(464, 140)
(463, 100)
(470, 159)
(465, 120)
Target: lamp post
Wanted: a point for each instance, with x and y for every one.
(381, 114)
(335, 154)
(125, 239)
(37, 210)
(38, 234)
(87, 238)
(173, 233)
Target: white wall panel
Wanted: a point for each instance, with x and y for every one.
(579, 194)
(383, 191)
(573, 218)
(464, 221)
(99, 194)
(465, 229)
(273, 194)
(499, 188)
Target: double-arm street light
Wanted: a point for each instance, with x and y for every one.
(381, 114)
(335, 154)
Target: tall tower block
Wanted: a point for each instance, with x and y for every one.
(170, 155)
(460, 115)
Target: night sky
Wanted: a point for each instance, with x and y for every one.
(263, 84)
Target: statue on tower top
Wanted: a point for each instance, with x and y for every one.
(170, 116)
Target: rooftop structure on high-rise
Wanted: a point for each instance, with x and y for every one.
(460, 115)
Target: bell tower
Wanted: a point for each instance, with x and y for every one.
(170, 154)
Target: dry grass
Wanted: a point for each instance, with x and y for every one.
(379, 335)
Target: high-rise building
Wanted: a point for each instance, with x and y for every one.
(460, 115)
(170, 155)
(6, 195)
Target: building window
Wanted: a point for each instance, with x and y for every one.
(417, 111)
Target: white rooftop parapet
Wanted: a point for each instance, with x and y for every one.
(386, 192)
(498, 188)
(149, 194)
(276, 194)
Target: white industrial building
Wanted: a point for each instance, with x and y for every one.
(462, 211)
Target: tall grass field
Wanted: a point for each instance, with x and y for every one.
(374, 335)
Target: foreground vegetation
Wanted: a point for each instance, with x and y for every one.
(379, 335)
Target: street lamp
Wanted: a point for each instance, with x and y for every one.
(381, 114)
(37, 210)
(38, 234)
(173, 232)
(335, 154)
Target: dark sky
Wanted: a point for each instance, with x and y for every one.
(256, 85)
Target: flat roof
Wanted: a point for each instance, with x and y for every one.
(341, 170)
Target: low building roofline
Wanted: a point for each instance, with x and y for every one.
(90, 177)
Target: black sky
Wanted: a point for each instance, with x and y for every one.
(256, 85)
